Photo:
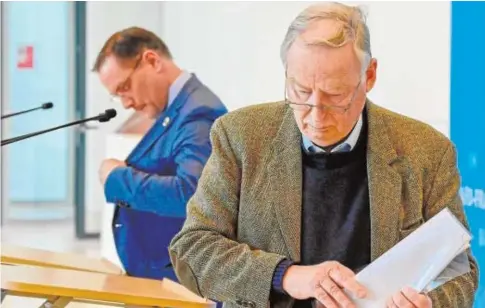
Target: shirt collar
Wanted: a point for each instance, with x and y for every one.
(177, 86)
(351, 141)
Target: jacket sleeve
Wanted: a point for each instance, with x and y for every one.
(444, 192)
(205, 254)
(165, 195)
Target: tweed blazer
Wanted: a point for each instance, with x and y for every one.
(245, 215)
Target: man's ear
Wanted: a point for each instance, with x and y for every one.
(153, 59)
(371, 75)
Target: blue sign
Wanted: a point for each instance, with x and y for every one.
(467, 119)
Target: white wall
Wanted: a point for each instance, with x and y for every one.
(234, 48)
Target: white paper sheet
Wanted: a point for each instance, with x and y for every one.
(415, 261)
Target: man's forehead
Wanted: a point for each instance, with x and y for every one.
(112, 73)
(303, 69)
(111, 66)
(322, 62)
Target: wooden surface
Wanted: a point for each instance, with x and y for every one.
(31, 280)
(12, 254)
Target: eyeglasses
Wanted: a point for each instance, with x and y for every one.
(126, 84)
(335, 109)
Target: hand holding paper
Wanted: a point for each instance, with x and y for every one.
(409, 297)
(324, 282)
(430, 256)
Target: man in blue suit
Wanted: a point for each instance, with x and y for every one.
(151, 188)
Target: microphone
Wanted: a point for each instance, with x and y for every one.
(102, 117)
(47, 105)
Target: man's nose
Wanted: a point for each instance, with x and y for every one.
(318, 110)
(127, 102)
(319, 114)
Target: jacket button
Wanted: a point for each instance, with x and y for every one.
(118, 225)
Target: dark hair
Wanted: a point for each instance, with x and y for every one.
(129, 43)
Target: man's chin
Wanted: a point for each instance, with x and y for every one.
(323, 134)
(148, 112)
(150, 115)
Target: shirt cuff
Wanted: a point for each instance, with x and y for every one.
(281, 268)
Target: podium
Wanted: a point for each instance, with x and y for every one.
(18, 255)
(60, 287)
(63, 278)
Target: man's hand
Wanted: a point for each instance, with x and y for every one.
(107, 166)
(324, 282)
(408, 297)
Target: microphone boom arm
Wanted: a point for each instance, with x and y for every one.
(103, 117)
(47, 105)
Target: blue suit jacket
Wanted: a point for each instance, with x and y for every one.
(161, 176)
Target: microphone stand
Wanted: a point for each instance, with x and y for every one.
(47, 105)
(103, 117)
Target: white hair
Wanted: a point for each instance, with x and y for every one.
(353, 29)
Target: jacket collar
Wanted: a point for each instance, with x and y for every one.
(164, 120)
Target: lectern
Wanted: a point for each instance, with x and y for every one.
(18, 255)
(63, 278)
(59, 287)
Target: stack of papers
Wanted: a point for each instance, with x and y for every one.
(430, 256)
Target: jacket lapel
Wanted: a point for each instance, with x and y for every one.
(385, 185)
(164, 121)
(285, 170)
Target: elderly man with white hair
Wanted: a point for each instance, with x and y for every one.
(301, 194)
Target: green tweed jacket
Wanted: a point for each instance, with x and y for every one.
(245, 215)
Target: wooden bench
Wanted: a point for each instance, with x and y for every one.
(59, 287)
(12, 254)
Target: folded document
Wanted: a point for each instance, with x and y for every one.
(427, 258)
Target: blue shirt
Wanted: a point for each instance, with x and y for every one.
(177, 86)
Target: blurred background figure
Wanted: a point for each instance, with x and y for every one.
(51, 195)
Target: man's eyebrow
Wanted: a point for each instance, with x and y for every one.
(297, 83)
(335, 85)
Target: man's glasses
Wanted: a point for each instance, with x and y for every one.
(302, 105)
(124, 86)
